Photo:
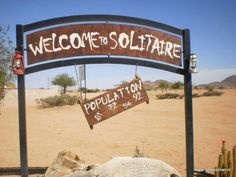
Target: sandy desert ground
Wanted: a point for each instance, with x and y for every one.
(157, 128)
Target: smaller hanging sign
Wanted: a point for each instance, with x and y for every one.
(114, 101)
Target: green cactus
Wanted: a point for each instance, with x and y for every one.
(223, 148)
(217, 174)
(225, 162)
(225, 166)
(229, 165)
(234, 162)
(220, 164)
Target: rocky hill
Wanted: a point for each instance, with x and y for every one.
(228, 82)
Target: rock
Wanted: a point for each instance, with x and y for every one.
(82, 174)
(89, 171)
(68, 164)
(136, 167)
(65, 163)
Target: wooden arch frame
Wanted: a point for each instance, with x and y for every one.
(185, 34)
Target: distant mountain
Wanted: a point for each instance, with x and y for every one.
(227, 82)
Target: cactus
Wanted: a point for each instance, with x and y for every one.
(223, 148)
(225, 163)
(217, 173)
(224, 158)
(220, 164)
(234, 162)
(229, 169)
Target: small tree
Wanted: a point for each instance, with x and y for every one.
(64, 81)
(164, 86)
(6, 50)
(177, 85)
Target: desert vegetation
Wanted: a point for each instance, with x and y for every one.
(169, 96)
(57, 100)
(63, 81)
(212, 92)
(66, 97)
(226, 162)
(167, 87)
(167, 90)
(6, 50)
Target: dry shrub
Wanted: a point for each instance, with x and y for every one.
(169, 96)
(212, 93)
(57, 101)
(196, 95)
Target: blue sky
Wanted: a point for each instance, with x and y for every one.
(212, 24)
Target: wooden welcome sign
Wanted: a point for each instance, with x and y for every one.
(115, 101)
(103, 39)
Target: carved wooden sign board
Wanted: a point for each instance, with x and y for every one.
(103, 39)
(114, 101)
(110, 40)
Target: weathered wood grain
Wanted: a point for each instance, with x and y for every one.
(103, 39)
(114, 101)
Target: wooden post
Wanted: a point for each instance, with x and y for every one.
(21, 108)
(188, 106)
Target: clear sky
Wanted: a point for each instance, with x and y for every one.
(212, 24)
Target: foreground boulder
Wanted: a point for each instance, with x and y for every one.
(136, 167)
(68, 164)
(65, 163)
